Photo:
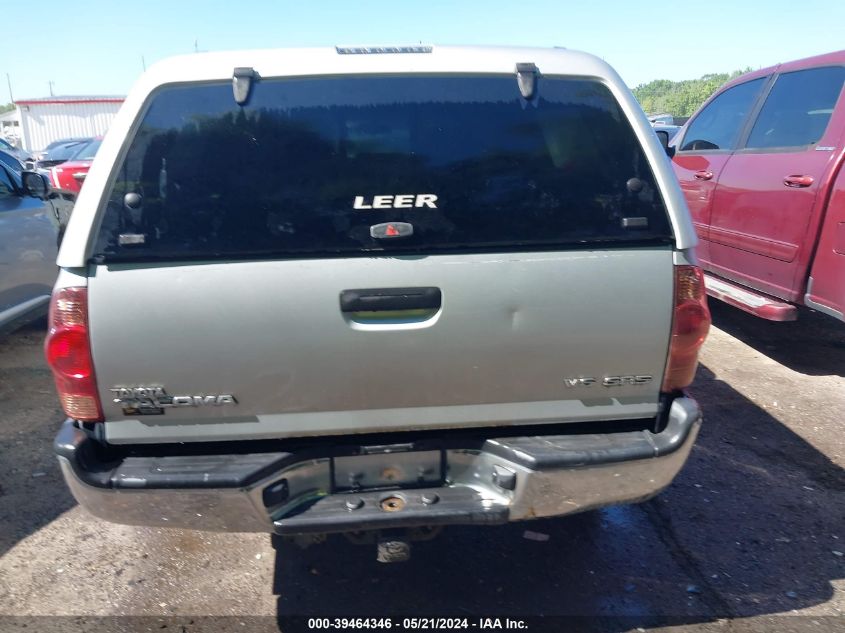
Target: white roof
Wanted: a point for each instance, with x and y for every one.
(303, 62)
(291, 62)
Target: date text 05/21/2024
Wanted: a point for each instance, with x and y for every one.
(416, 624)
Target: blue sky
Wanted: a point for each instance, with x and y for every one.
(96, 46)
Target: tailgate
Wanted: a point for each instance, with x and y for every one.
(364, 253)
(511, 337)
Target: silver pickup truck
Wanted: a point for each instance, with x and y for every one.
(375, 289)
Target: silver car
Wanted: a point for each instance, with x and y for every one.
(29, 237)
(346, 289)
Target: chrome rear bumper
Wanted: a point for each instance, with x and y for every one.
(480, 480)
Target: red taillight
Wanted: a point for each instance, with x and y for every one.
(68, 353)
(690, 323)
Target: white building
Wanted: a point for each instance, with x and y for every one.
(10, 127)
(49, 119)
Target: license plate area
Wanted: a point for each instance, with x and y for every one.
(388, 470)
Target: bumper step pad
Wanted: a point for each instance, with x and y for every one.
(393, 509)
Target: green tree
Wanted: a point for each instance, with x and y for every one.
(681, 98)
(7, 107)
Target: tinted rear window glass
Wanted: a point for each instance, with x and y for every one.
(63, 152)
(309, 166)
(88, 151)
(718, 125)
(798, 108)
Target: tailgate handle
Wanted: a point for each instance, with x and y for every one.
(383, 299)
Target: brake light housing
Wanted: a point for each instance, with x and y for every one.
(690, 324)
(68, 352)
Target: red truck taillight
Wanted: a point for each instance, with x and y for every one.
(68, 352)
(690, 323)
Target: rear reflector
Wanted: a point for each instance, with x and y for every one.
(68, 353)
(690, 323)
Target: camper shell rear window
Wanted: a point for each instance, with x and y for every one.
(308, 167)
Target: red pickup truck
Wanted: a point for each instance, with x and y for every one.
(760, 164)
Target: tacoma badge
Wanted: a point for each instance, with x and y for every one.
(153, 400)
(608, 381)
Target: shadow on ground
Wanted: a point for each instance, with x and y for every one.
(748, 529)
(813, 345)
(32, 491)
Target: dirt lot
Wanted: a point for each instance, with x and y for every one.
(749, 538)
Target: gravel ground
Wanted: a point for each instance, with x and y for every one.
(750, 537)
